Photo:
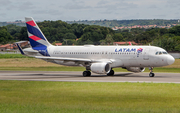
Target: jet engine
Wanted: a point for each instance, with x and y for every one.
(135, 69)
(100, 68)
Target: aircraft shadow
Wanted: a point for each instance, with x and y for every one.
(68, 76)
(116, 75)
(64, 75)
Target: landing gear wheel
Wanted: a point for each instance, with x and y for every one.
(86, 73)
(151, 74)
(111, 73)
(89, 73)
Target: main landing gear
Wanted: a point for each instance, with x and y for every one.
(151, 74)
(111, 73)
(86, 73)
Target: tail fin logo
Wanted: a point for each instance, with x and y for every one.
(34, 31)
(31, 23)
(37, 39)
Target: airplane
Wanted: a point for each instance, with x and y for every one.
(96, 59)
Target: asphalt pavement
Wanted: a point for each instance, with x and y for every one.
(74, 76)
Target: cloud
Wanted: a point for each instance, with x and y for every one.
(47, 12)
(3, 14)
(26, 6)
(76, 5)
(22, 6)
(177, 13)
(153, 6)
(4, 2)
(173, 3)
(89, 9)
(115, 7)
(102, 2)
(160, 16)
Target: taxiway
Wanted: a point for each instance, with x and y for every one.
(77, 77)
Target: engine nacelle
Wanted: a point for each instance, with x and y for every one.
(100, 68)
(135, 69)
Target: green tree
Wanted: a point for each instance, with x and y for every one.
(118, 37)
(109, 39)
(13, 29)
(68, 42)
(5, 36)
(175, 30)
(24, 35)
(70, 36)
(102, 42)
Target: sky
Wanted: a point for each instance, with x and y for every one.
(70, 10)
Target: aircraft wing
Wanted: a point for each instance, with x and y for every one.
(70, 59)
(64, 59)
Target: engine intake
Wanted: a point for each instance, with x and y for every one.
(135, 69)
(100, 68)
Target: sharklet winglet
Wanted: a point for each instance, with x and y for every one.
(20, 49)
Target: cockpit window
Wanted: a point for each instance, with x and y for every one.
(164, 52)
(161, 52)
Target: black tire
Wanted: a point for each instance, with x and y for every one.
(111, 73)
(151, 74)
(86, 73)
(89, 73)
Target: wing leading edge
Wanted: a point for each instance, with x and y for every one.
(72, 59)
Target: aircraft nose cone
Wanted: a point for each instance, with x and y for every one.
(170, 60)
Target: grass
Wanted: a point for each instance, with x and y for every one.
(89, 97)
(35, 96)
(2, 56)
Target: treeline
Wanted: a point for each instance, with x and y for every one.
(5, 36)
(111, 23)
(120, 23)
(168, 39)
(68, 34)
(15, 23)
(80, 34)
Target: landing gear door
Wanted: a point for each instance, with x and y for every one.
(146, 54)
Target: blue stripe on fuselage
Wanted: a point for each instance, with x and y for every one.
(42, 50)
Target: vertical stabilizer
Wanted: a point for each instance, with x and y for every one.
(37, 39)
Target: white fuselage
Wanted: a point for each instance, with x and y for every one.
(120, 56)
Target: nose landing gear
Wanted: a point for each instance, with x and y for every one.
(151, 74)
